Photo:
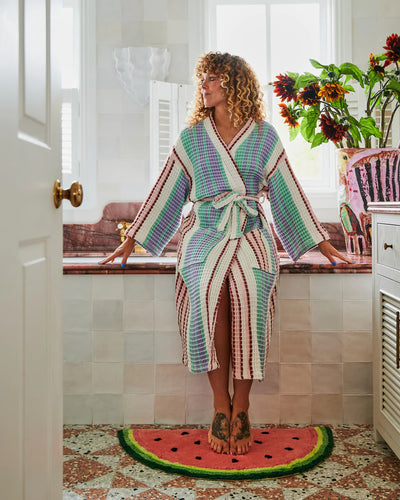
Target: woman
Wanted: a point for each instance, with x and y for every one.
(224, 163)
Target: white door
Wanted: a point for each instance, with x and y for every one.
(31, 246)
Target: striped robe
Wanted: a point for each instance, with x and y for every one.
(226, 237)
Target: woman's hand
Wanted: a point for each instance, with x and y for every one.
(124, 250)
(331, 253)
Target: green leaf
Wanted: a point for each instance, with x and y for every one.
(353, 70)
(368, 128)
(305, 80)
(318, 140)
(394, 85)
(374, 77)
(350, 88)
(293, 133)
(317, 65)
(293, 76)
(309, 124)
(380, 57)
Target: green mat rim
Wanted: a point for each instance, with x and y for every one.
(321, 451)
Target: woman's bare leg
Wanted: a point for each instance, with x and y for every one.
(241, 436)
(218, 435)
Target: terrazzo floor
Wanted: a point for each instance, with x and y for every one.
(97, 468)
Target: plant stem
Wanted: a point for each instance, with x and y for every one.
(390, 125)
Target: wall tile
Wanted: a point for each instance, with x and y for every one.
(107, 378)
(264, 408)
(270, 384)
(357, 315)
(154, 32)
(197, 383)
(165, 317)
(77, 287)
(168, 348)
(357, 346)
(327, 378)
(155, 10)
(139, 379)
(169, 409)
(326, 347)
(199, 409)
(326, 315)
(358, 409)
(327, 409)
(357, 378)
(139, 286)
(177, 31)
(294, 315)
(170, 379)
(357, 286)
(164, 288)
(177, 9)
(107, 315)
(77, 347)
(77, 378)
(295, 409)
(295, 378)
(138, 408)
(139, 347)
(326, 287)
(108, 346)
(108, 287)
(77, 315)
(108, 409)
(295, 347)
(292, 286)
(138, 315)
(78, 409)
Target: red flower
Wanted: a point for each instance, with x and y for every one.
(309, 95)
(393, 48)
(332, 130)
(287, 114)
(284, 88)
(332, 91)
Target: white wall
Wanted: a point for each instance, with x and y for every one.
(123, 126)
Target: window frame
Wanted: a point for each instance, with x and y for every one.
(84, 123)
(338, 36)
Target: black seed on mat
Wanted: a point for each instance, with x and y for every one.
(234, 460)
(174, 449)
(198, 458)
(158, 439)
(268, 456)
(197, 442)
(265, 432)
(296, 438)
(183, 433)
(258, 442)
(289, 449)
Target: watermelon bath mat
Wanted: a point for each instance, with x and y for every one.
(274, 452)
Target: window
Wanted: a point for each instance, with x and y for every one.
(78, 83)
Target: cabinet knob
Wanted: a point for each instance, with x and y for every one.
(386, 246)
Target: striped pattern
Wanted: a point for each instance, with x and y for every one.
(226, 237)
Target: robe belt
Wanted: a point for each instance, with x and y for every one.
(235, 208)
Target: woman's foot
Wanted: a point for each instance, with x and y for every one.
(240, 436)
(218, 435)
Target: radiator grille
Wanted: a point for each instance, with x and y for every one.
(164, 131)
(390, 354)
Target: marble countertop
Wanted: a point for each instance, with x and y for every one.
(312, 262)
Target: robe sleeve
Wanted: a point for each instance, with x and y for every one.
(160, 215)
(294, 220)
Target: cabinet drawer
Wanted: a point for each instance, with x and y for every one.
(388, 245)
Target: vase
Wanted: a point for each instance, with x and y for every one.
(365, 175)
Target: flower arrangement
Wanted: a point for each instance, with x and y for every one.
(317, 105)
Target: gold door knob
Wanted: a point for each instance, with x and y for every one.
(74, 194)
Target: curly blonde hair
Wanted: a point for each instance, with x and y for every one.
(241, 88)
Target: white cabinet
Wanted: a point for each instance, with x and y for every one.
(386, 280)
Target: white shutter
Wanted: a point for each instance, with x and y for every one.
(169, 104)
(70, 136)
(390, 356)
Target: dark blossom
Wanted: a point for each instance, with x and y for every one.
(393, 48)
(288, 115)
(375, 66)
(284, 88)
(332, 130)
(332, 91)
(309, 95)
